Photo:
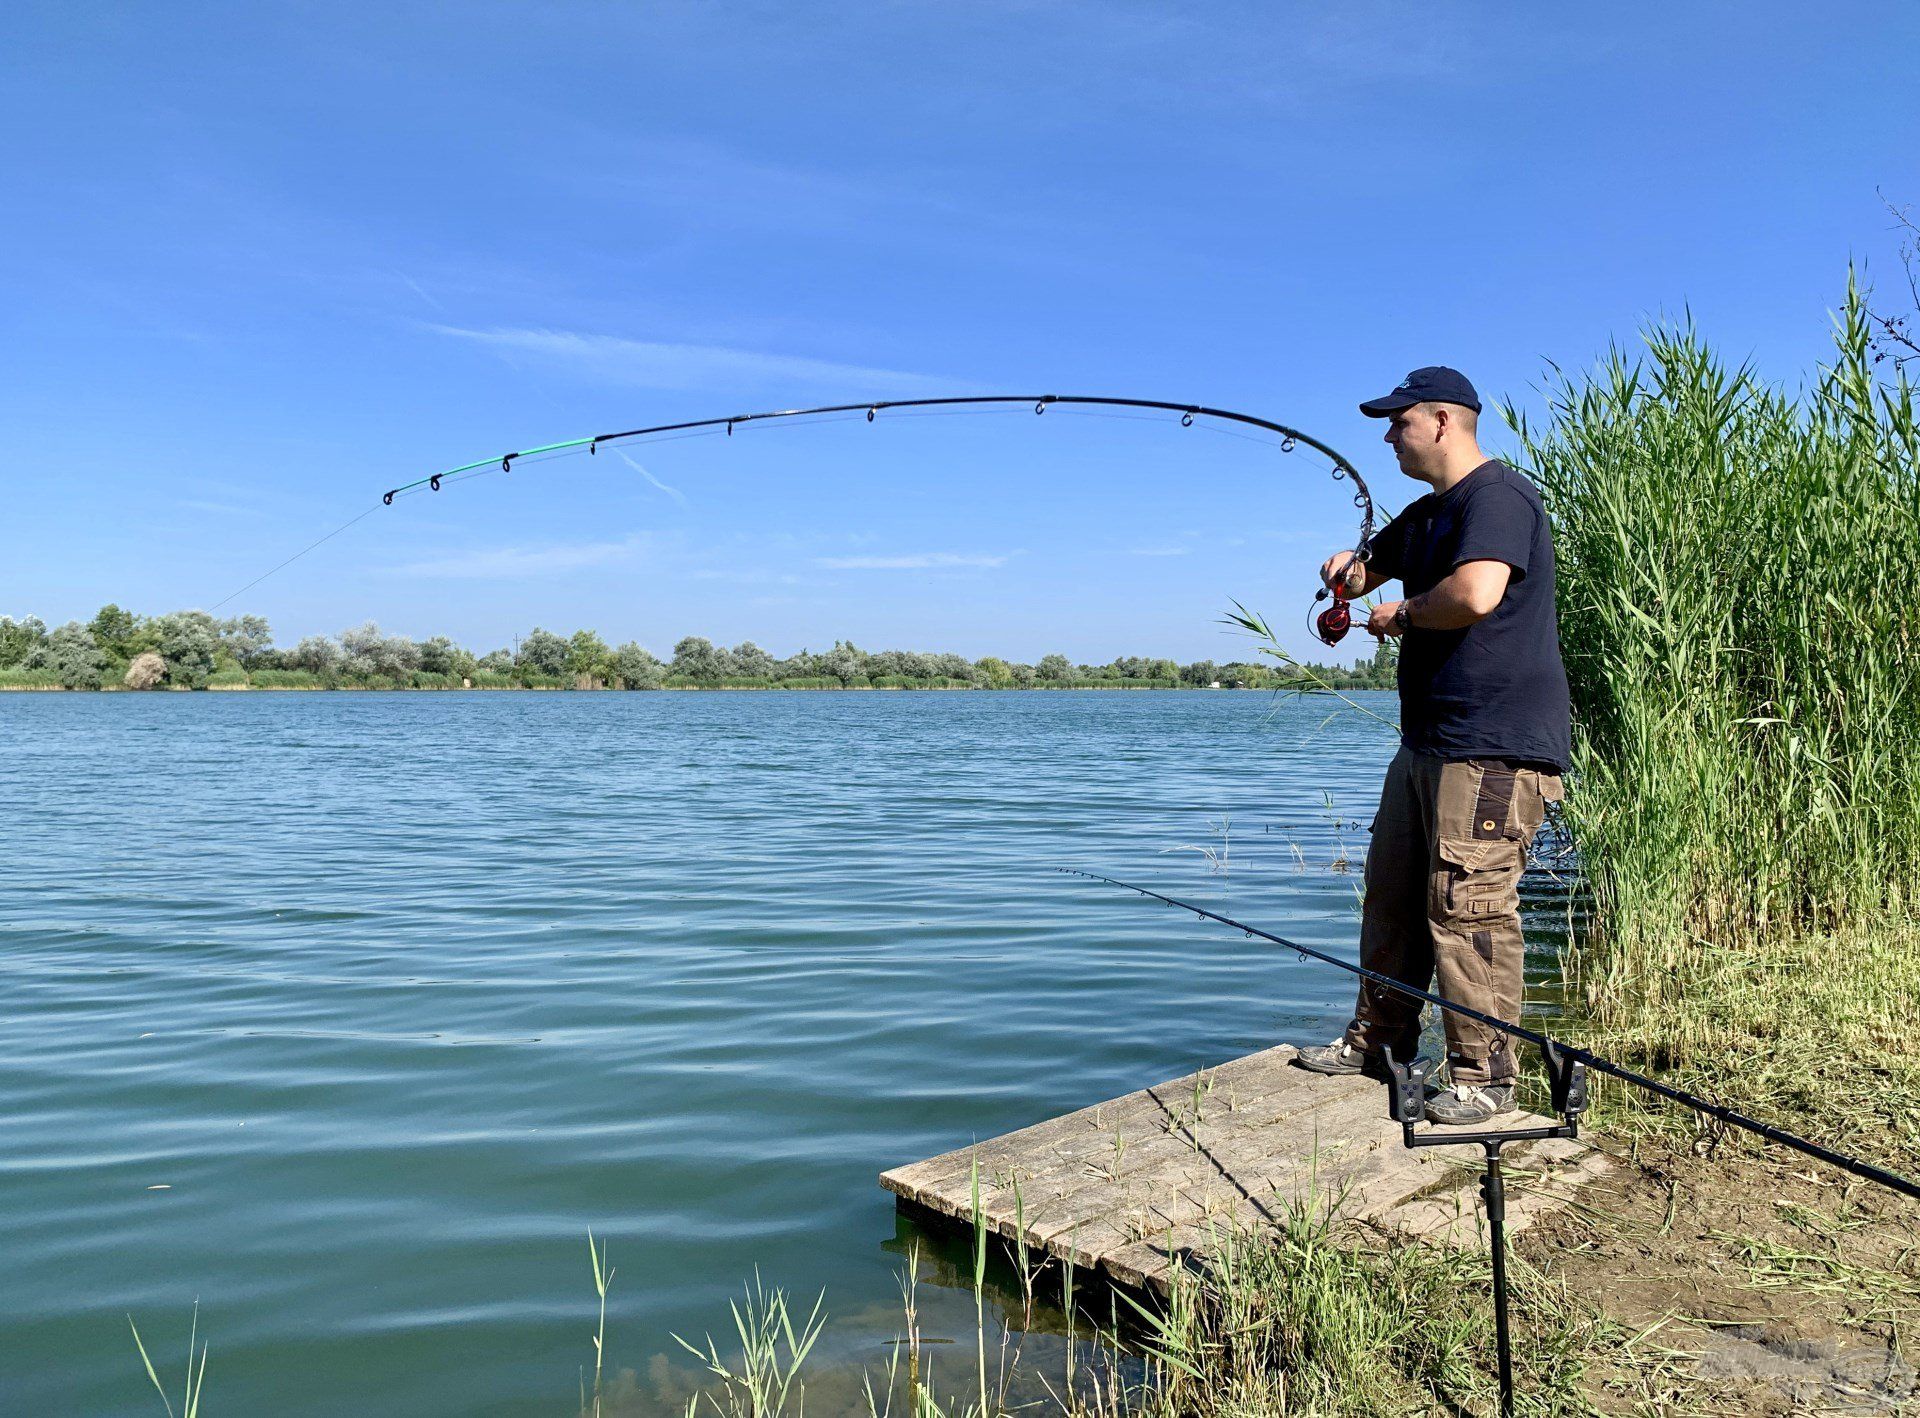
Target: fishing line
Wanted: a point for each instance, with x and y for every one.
(297, 555)
(1248, 437)
(470, 472)
(1854, 1165)
(953, 413)
(1117, 418)
(805, 421)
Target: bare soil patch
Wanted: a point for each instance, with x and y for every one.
(1741, 1284)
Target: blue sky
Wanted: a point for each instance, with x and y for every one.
(264, 261)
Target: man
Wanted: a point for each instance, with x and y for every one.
(1483, 741)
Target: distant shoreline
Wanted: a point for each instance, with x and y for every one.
(118, 649)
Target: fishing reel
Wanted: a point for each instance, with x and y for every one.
(1330, 627)
(1332, 624)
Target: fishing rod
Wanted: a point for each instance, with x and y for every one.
(1290, 437)
(1552, 1048)
(1190, 414)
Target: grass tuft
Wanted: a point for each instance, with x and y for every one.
(773, 1348)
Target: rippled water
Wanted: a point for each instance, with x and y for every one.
(349, 1014)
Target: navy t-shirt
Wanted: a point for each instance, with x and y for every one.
(1496, 689)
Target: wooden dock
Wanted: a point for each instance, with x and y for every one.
(1129, 1187)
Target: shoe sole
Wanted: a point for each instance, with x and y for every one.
(1467, 1122)
(1367, 1070)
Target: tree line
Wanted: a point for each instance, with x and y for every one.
(193, 650)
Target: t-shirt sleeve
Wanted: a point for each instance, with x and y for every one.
(1498, 524)
(1386, 553)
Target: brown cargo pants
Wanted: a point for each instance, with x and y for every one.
(1443, 878)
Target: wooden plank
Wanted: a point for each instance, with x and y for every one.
(1129, 1186)
(1177, 1185)
(1262, 1080)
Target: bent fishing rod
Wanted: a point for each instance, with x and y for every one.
(1553, 1048)
(1329, 626)
(1290, 437)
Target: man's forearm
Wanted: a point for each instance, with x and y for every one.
(1448, 606)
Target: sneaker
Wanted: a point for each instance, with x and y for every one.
(1340, 1057)
(1466, 1103)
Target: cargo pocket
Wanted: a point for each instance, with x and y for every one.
(1534, 793)
(1476, 875)
(1493, 805)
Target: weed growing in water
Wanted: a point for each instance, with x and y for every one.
(196, 1379)
(1219, 859)
(1022, 1257)
(602, 1278)
(772, 1350)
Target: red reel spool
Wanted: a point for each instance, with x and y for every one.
(1335, 621)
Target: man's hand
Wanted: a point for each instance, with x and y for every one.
(1344, 565)
(1384, 621)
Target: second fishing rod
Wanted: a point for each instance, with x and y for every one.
(1567, 1068)
(1551, 1047)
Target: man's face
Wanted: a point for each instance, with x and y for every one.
(1414, 435)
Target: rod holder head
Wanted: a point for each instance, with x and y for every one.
(1407, 1099)
(1567, 1080)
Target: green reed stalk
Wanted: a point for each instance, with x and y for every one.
(1023, 1257)
(602, 1278)
(1255, 625)
(196, 1380)
(1066, 1289)
(773, 1349)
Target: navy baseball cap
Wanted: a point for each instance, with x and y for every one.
(1434, 383)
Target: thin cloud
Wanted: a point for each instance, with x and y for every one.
(634, 463)
(419, 290)
(919, 562)
(655, 364)
(1158, 551)
(489, 563)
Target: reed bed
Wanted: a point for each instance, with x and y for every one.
(1318, 1318)
(1312, 1317)
(1738, 567)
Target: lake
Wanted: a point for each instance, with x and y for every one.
(348, 1015)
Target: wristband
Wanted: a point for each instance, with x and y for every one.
(1403, 617)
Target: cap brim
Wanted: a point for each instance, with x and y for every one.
(1388, 404)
